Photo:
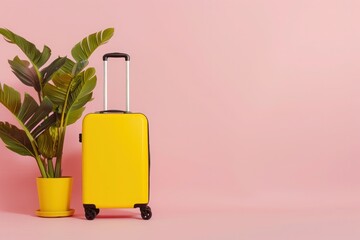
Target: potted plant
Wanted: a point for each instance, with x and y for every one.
(62, 88)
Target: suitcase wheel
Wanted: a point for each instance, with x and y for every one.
(146, 213)
(91, 212)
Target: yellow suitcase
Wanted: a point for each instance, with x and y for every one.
(116, 158)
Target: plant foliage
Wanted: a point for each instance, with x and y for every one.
(63, 87)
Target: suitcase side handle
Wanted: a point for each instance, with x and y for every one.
(127, 60)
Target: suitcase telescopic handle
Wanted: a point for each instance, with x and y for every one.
(127, 60)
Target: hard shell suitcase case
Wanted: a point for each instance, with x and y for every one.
(116, 158)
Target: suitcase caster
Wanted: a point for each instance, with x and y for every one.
(91, 211)
(146, 213)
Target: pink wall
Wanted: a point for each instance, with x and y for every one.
(250, 102)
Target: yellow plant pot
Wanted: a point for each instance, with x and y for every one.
(54, 197)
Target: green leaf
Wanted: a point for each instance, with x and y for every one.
(76, 92)
(80, 94)
(81, 101)
(44, 57)
(33, 118)
(49, 71)
(81, 89)
(47, 142)
(28, 108)
(79, 66)
(62, 81)
(29, 49)
(72, 93)
(15, 139)
(10, 98)
(67, 67)
(84, 49)
(56, 93)
(49, 121)
(74, 115)
(25, 73)
(43, 110)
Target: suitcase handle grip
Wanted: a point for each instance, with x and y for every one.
(127, 60)
(113, 111)
(116, 55)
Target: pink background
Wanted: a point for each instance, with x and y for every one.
(254, 113)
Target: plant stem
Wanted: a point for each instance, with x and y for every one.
(41, 166)
(39, 162)
(59, 152)
(50, 167)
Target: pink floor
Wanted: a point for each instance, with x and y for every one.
(200, 224)
(219, 220)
